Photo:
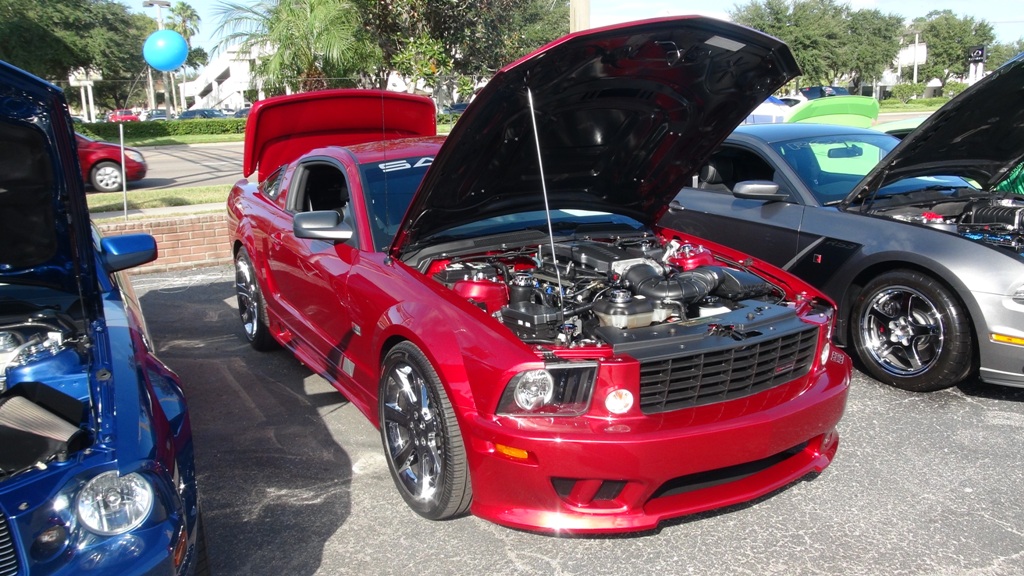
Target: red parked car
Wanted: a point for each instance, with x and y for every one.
(101, 164)
(122, 116)
(503, 304)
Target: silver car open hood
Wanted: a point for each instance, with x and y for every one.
(976, 135)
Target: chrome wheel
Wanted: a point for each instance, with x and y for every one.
(415, 440)
(421, 437)
(251, 308)
(903, 330)
(909, 330)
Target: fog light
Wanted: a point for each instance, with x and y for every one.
(50, 542)
(619, 401)
(825, 350)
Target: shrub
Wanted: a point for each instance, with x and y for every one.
(904, 91)
(156, 129)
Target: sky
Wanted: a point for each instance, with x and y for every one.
(1005, 16)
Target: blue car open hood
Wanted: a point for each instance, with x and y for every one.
(44, 221)
(626, 115)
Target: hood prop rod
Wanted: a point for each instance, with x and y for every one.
(547, 207)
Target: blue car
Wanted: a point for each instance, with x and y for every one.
(97, 474)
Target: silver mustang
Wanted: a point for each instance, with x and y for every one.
(919, 241)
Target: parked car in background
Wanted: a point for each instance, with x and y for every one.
(154, 114)
(242, 112)
(199, 113)
(915, 240)
(122, 116)
(97, 474)
(100, 163)
(813, 92)
(547, 356)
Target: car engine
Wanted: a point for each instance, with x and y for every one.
(40, 423)
(612, 292)
(996, 221)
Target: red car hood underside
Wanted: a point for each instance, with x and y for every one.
(281, 129)
(625, 114)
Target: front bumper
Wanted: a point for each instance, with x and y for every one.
(620, 476)
(1000, 362)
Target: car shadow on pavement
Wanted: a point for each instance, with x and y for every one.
(273, 482)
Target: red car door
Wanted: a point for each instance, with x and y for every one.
(310, 276)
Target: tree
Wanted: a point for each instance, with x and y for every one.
(301, 43)
(814, 30)
(871, 46)
(905, 91)
(1000, 53)
(28, 25)
(948, 38)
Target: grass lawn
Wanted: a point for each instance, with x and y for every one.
(160, 198)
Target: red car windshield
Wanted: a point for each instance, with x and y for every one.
(389, 190)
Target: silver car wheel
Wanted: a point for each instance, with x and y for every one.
(245, 288)
(422, 441)
(106, 177)
(902, 330)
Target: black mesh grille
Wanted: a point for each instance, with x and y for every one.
(8, 557)
(697, 379)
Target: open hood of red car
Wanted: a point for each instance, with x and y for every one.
(625, 114)
(280, 130)
(975, 135)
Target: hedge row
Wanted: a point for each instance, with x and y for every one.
(159, 128)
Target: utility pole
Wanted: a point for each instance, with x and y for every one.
(579, 15)
(160, 26)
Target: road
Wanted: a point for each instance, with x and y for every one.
(293, 480)
(195, 165)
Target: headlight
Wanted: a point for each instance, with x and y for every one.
(110, 504)
(557, 390)
(134, 155)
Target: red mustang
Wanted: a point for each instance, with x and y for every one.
(502, 304)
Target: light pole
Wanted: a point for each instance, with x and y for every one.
(160, 26)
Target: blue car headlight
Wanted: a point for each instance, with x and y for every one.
(110, 504)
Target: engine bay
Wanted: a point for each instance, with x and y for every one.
(998, 220)
(44, 391)
(617, 292)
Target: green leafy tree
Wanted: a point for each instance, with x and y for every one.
(1000, 53)
(814, 30)
(302, 43)
(871, 45)
(948, 38)
(28, 25)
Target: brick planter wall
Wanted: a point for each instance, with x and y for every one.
(184, 241)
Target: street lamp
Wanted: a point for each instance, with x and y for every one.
(160, 26)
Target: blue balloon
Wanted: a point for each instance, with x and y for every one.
(165, 50)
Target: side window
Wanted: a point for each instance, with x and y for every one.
(271, 187)
(731, 165)
(322, 186)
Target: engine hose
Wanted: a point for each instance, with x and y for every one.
(687, 287)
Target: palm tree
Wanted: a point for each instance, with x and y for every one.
(292, 39)
(185, 21)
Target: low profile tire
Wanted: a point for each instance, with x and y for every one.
(909, 331)
(422, 441)
(202, 562)
(252, 309)
(106, 177)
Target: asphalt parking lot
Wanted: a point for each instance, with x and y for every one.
(293, 480)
